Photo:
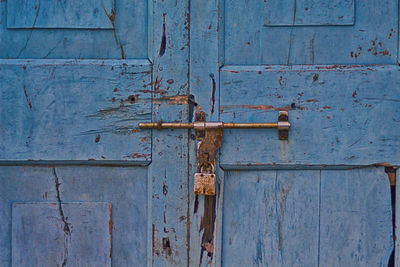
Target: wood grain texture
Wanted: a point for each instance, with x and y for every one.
(338, 114)
(306, 218)
(168, 172)
(57, 14)
(205, 57)
(308, 13)
(356, 216)
(74, 110)
(39, 237)
(274, 222)
(125, 188)
(127, 38)
(250, 40)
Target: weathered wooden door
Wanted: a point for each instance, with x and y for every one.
(81, 185)
(76, 78)
(321, 198)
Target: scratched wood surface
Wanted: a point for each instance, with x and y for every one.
(355, 218)
(74, 29)
(39, 234)
(74, 110)
(250, 40)
(125, 189)
(306, 218)
(338, 114)
(169, 222)
(61, 14)
(206, 57)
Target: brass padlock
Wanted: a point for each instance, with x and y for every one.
(204, 183)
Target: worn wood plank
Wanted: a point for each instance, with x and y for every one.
(250, 40)
(206, 57)
(168, 173)
(356, 216)
(274, 222)
(74, 110)
(126, 35)
(125, 188)
(339, 114)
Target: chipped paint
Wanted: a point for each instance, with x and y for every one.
(110, 227)
(27, 98)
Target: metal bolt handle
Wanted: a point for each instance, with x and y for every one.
(282, 125)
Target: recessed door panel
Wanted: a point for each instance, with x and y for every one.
(306, 218)
(73, 215)
(310, 32)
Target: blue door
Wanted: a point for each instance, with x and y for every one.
(82, 185)
(323, 197)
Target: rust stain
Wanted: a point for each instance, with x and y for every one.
(212, 100)
(284, 192)
(138, 156)
(27, 98)
(173, 100)
(163, 38)
(376, 46)
(110, 227)
(280, 81)
(207, 226)
(392, 32)
(155, 244)
(258, 107)
(111, 17)
(144, 139)
(391, 172)
(97, 138)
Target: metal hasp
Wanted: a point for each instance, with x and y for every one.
(210, 136)
(210, 133)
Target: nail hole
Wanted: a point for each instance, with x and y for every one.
(132, 99)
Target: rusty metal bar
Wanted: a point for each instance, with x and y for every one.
(210, 125)
(200, 126)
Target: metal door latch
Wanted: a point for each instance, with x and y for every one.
(210, 136)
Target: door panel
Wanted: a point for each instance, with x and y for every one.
(50, 14)
(303, 32)
(74, 110)
(355, 218)
(322, 197)
(271, 218)
(306, 218)
(74, 29)
(339, 114)
(90, 215)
